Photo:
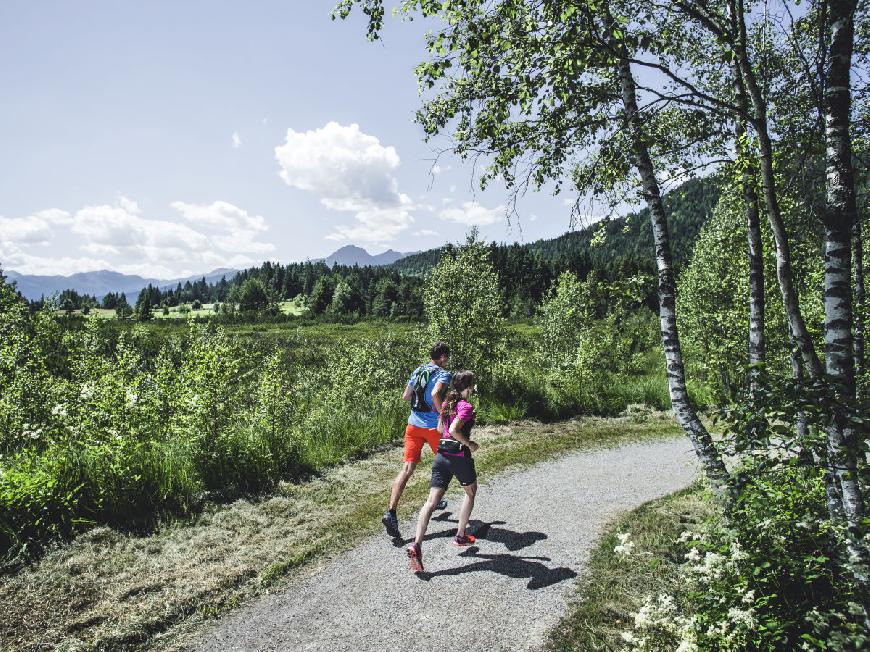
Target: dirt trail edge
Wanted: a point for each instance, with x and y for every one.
(535, 528)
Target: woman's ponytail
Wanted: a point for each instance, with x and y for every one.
(461, 381)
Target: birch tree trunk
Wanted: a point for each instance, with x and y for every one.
(860, 307)
(756, 344)
(840, 217)
(785, 276)
(684, 411)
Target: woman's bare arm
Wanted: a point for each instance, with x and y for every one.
(456, 433)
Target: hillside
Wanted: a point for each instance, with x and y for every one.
(627, 245)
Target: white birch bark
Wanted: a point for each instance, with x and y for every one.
(860, 308)
(684, 411)
(840, 216)
(758, 117)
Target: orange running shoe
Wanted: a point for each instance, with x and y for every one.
(416, 557)
(464, 540)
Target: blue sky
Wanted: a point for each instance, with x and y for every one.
(170, 138)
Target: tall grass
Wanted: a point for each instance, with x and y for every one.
(120, 426)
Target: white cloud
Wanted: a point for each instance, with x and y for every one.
(28, 230)
(54, 216)
(375, 225)
(533, 218)
(436, 169)
(237, 141)
(128, 205)
(119, 238)
(425, 232)
(38, 228)
(222, 216)
(349, 171)
(14, 257)
(472, 214)
(232, 227)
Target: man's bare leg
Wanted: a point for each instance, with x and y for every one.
(400, 482)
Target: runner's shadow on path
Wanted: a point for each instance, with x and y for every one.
(540, 576)
(489, 531)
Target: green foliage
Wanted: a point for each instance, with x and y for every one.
(346, 298)
(774, 572)
(349, 396)
(122, 308)
(321, 295)
(253, 296)
(565, 316)
(765, 578)
(593, 332)
(713, 297)
(463, 307)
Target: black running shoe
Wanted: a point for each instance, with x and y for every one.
(442, 504)
(391, 523)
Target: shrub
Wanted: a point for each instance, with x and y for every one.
(463, 306)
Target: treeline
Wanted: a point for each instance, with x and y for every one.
(338, 291)
(615, 249)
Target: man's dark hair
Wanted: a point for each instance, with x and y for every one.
(438, 349)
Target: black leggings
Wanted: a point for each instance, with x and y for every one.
(446, 466)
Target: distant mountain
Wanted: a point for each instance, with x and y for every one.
(351, 255)
(98, 283)
(101, 282)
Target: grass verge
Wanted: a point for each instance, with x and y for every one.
(614, 586)
(111, 590)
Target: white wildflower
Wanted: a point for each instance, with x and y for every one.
(686, 535)
(737, 553)
(694, 555)
(628, 637)
(742, 617)
(87, 390)
(713, 565)
(748, 597)
(687, 646)
(625, 544)
(643, 618)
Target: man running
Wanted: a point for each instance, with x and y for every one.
(424, 390)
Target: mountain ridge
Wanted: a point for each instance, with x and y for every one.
(351, 255)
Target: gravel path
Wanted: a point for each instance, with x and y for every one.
(535, 528)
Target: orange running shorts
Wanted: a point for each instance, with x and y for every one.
(415, 437)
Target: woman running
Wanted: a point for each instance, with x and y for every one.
(453, 458)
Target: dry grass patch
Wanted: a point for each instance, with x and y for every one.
(110, 590)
